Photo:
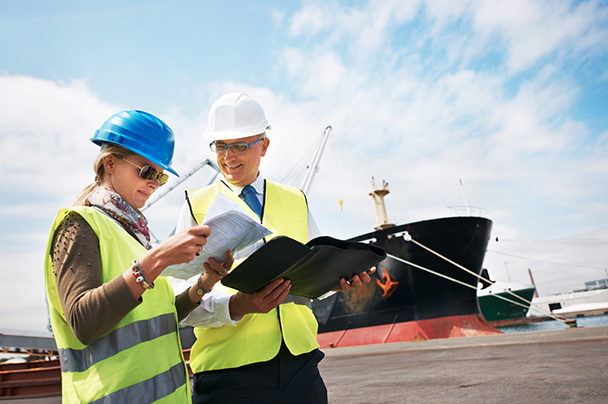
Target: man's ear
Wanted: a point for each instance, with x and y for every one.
(265, 144)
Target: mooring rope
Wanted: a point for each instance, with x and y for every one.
(472, 273)
(548, 262)
(408, 237)
(431, 271)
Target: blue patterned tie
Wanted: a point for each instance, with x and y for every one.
(252, 200)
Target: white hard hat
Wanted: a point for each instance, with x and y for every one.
(234, 116)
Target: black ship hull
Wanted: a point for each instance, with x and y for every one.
(401, 294)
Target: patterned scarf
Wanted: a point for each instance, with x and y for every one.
(116, 207)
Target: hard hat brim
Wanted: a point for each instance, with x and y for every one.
(236, 134)
(139, 153)
(142, 133)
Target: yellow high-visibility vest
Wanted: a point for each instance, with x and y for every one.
(140, 359)
(257, 337)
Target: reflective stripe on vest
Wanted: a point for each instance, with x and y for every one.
(257, 337)
(148, 391)
(141, 352)
(79, 360)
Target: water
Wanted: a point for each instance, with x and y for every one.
(595, 321)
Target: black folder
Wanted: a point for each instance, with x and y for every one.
(314, 268)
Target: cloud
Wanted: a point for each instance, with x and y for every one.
(424, 113)
(420, 94)
(557, 265)
(311, 20)
(20, 310)
(42, 127)
(533, 30)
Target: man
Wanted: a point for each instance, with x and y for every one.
(259, 347)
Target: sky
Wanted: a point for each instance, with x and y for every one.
(501, 106)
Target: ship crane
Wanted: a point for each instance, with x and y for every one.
(311, 170)
(314, 166)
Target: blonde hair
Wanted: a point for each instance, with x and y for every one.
(107, 149)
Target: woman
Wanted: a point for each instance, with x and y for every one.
(114, 319)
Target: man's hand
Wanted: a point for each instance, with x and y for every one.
(356, 282)
(260, 301)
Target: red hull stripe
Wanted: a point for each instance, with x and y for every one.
(444, 327)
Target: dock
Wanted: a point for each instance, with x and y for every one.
(559, 366)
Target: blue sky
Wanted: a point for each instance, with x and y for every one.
(509, 97)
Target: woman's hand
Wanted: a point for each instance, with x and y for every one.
(177, 249)
(217, 271)
(183, 246)
(214, 272)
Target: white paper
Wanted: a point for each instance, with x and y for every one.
(231, 230)
(222, 204)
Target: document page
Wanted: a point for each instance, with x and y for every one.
(232, 230)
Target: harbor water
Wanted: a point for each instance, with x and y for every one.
(594, 321)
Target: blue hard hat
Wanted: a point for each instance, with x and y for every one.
(142, 133)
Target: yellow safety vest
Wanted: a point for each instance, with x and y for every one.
(140, 360)
(257, 337)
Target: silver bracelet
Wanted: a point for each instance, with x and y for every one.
(138, 272)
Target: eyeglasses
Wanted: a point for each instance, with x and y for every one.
(237, 148)
(148, 172)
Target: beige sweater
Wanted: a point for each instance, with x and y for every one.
(92, 307)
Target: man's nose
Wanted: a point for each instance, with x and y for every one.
(229, 152)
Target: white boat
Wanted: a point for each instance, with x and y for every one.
(583, 310)
(591, 301)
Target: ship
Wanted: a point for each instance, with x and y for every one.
(503, 302)
(414, 295)
(425, 289)
(592, 300)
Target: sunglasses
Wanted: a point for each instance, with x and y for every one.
(148, 172)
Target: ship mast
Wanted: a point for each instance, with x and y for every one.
(378, 195)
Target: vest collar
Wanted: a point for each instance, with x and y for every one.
(258, 184)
